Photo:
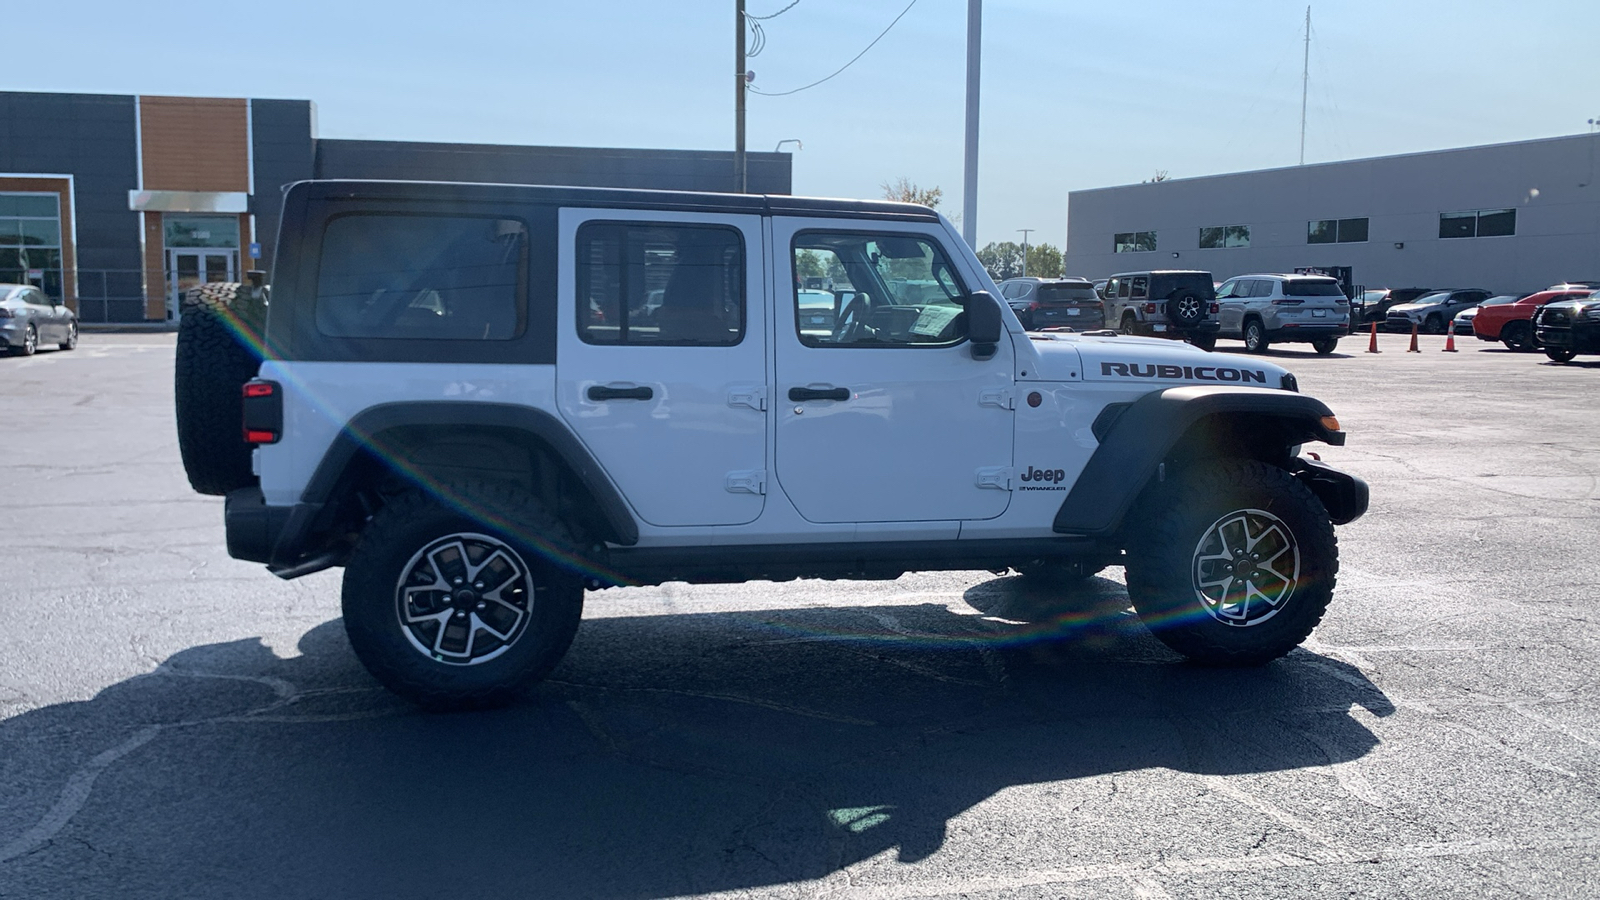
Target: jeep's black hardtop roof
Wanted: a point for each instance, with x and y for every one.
(627, 198)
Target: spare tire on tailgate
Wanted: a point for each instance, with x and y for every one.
(219, 349)
(1186, 307)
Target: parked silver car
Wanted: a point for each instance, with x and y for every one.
(1267, 309)
(28, 319)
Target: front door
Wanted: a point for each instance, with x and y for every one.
(883, 414)
(661, 370)
(188, 269)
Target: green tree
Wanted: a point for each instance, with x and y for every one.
(808, 264)
(1044, 261)
(1003, 260)
(904, 190)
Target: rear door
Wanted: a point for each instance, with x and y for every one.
(888, 417)
(662, 359)
(1230, 303)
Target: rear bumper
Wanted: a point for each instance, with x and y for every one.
(252, 526)
(1296, 332)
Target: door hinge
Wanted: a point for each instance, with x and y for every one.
(752, 397)
(748, 481)
(997, 478)
(1004, 398)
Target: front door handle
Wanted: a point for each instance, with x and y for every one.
(802, 394)
(602, 392)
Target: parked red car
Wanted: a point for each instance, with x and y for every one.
(1512, 323)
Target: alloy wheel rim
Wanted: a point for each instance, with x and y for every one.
(1188, 308)
(30, 340)
(1245, 568)
(464, 599)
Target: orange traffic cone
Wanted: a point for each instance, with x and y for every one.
(1450, 338)
(1372, 345)
(1413, 347)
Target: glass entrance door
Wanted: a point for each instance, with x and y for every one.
(188, 269)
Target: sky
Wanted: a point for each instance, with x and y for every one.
(1074, 95)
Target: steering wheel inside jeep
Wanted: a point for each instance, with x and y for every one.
(852, 324)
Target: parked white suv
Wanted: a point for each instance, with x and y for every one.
(1277, 309)
(472, 404)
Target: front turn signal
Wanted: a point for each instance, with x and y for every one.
(1330, 422)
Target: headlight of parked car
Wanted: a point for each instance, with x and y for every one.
(1592, 312)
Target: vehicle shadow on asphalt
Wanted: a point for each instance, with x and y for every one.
(669, 754)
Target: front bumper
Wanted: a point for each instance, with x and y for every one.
(1579, 336)
(1344, 495)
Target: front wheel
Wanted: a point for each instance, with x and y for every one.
(1517, 336)
(1255, 336)
(461, 599)
(71, 343)
(1434, 324)
(1234, 563)
(1325, 346)
(1560, 356)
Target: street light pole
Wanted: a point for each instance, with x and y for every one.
(969, 190)
(741, 182)
(1025, 233)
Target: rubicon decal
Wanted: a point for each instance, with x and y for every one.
(1188, 373)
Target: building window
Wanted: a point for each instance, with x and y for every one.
(1134, 241)
(1224, 236)
(30, 241)
(1337, 231)
(1478, 223)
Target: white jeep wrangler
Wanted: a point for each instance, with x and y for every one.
(483, 399)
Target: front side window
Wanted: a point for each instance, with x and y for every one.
(423, 278)
(1227, 290)
(1224, 236)
(889, 290)
(673, 285)
(1134, 242)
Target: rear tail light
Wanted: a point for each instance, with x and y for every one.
(263, 412)
(1149, 307)
(1033, 306)
(1287, 301)
(1215, 307)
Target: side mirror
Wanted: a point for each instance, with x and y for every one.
(985, 323)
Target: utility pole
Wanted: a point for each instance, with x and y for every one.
(740, 173)
(1305, 82)
(969, 189)
(1025, 232)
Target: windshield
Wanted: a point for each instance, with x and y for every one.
(1373, 296)
(1305, 287)
(1058, 292)
(1435, 297)
(1501, 300)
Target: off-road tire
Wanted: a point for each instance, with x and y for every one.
(1255, 336)
(1517, 336)
(1172, 552)
(1325, 346)
(1560, 356)
(1129, 325)
(71, 343)
(1206, 342)
(219, 349)
(389, 549)
(1186, 308)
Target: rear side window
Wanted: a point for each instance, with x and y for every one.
(676, 285)
(1141, 287)
(423, 278)
(1260, 287)
(1299, 287)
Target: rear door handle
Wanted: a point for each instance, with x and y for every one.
(602, 392)
(801, 394)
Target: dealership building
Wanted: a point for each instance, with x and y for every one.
(116, 204)
(1506, 217)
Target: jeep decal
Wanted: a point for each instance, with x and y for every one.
(1189, 373)
(1055, 478)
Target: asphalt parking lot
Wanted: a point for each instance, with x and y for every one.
(174, 723)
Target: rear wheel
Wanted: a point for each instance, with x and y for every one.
(1255, 336)
(1130, 325)
(1517, 336)
(1325, 345)
(1559, 356)
(1234, 563)
(1204, 341)
(462, 599)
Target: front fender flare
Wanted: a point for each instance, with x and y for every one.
(1135, 443)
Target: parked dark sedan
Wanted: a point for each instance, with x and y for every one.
(1054, 302)
(28, 319)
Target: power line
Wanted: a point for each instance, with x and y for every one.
(846, 65)
(774, 15)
